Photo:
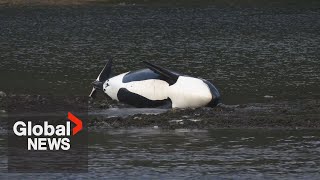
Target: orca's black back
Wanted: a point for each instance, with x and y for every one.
(140, 75)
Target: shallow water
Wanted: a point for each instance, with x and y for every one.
(125, 112)
(247, 52)
(181, 153)
(185, 153)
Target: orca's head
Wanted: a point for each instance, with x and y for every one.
(214, 102)
(216, 98)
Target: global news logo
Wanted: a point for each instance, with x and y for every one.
(46, 136)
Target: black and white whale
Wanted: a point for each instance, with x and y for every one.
(156, 87)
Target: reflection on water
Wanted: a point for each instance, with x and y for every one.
(247, 52)
(184, 153)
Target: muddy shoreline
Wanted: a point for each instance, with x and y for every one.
(274, 114)
(302, 114)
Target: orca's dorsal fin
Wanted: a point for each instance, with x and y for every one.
(170, 76)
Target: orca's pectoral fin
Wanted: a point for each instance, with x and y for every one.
(172, 77)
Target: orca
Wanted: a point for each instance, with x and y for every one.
(156, 86)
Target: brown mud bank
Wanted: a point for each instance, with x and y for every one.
(273, 114)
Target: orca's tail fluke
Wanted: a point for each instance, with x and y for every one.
(103, 76)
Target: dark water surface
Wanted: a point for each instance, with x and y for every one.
(224, 153)
(233, 153)
(247, 52)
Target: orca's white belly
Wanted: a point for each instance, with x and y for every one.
(186, 92)
(189, 92)
(153, 89)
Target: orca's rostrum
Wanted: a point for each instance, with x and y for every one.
(156, 87)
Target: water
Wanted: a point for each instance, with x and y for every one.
(125, 112)
(247, 52)
(185, 153)
(181, 153)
